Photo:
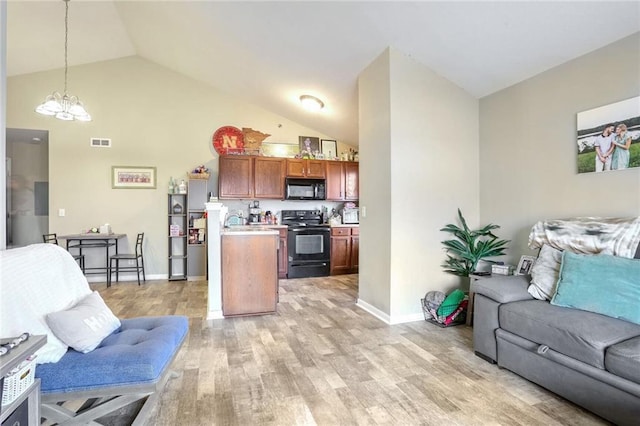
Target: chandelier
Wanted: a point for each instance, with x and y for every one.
(64, 107)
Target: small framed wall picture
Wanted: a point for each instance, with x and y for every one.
(129, 177)
(525, 264)
(329, 149)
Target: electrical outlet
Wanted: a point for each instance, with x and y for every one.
(363, 210)
(61, 212)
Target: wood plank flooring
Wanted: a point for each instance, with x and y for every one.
(322, 360)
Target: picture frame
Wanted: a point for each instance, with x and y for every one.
(310, 144)
(608, 137)
(329, 149)
(525, 265)
(133, 177)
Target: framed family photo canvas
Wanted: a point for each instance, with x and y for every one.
(131, 177)
(608, 137)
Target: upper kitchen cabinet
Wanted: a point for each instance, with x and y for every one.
(305, 168)
(342, 181)
(251, 177)
(269, 177)
(235, 177)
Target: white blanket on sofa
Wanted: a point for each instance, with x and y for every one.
(35, 281)
(589, 235)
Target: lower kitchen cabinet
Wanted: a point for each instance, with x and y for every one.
(345, 242)
(249, 273)
(283, 254)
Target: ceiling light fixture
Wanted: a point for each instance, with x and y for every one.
(64, 107)
(311, 103)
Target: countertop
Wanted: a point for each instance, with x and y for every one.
(252, 230)
(346, 225)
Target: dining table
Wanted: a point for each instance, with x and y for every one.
(92, 240)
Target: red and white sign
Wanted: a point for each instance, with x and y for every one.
(228, 140)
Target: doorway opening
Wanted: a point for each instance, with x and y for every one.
(27, 177)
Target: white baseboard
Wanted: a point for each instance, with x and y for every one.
(386, 318)
(407, 318)
(211, 315)
(125, 277)
(373, 311)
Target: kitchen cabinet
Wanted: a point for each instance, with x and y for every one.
(235, 177)
(342, 180)
(344, 250)
(283, 254)
(249, 273)
(268, 177)
(305, 168)
(243, 177)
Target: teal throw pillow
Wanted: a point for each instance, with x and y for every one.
(604, 284)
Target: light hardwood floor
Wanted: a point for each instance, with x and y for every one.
(322, 360)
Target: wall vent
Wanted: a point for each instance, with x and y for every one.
(100, 143)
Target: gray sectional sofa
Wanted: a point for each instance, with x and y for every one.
(590, 359)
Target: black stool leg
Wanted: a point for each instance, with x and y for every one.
(144, 278)
(138, 270)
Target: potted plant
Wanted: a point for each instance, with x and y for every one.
(469, 247)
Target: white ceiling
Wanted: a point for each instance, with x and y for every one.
(269, 53)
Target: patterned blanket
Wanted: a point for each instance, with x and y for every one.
(616, 236)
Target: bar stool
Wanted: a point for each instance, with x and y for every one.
(137, 256)
(53, 239)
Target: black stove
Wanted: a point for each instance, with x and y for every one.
(308, 242)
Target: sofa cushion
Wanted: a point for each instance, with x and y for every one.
(136, 353)
(85, 324)
(582, 335)
(623, 359)
(604, 284)
(544, 273)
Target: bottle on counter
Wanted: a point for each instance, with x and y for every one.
(172, 186)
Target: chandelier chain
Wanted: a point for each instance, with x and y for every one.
(66, 37)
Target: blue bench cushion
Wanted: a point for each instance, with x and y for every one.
(136, 353)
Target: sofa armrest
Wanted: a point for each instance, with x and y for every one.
(502, 288)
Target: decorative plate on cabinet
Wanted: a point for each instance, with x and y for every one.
(228, 140)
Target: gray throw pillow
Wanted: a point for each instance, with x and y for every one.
(85, 325)
(545, 273)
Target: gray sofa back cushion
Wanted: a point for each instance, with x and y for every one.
(578, 334)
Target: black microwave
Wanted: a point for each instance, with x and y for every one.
(305, 189)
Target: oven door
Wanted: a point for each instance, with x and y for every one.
(308, 244)
(308, 252)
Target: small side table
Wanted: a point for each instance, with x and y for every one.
(472, 279)
(11, 360)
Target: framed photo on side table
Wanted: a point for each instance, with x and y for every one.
(131, 177)
(525, 264)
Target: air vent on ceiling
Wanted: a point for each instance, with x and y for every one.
(100, 143)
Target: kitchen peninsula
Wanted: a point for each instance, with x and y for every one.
(249, 270)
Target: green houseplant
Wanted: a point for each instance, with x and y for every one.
(470, 246)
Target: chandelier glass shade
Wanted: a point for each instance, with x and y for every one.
(64, 106)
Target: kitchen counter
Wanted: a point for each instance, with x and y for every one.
(250, 230)
(346, 225)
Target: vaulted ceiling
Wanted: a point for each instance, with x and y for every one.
(269, 53)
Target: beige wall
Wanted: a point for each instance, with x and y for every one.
(419, 145)
(3, 114)
(528, 148)
(434, 170)
(375, 184)
(155, 117)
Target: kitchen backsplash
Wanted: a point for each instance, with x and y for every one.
(276, 206)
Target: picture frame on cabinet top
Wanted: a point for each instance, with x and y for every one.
(329, 149)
